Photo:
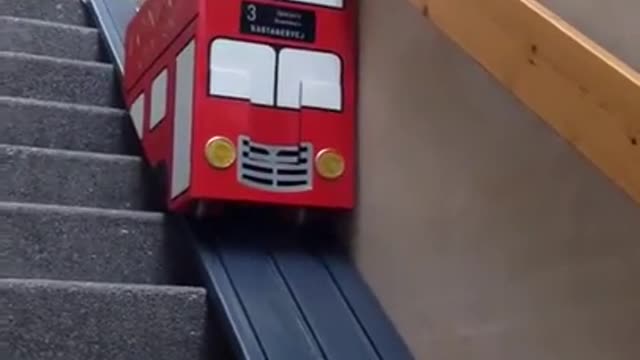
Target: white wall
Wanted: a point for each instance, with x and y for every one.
(484, 234)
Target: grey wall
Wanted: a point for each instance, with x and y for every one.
(484, 234)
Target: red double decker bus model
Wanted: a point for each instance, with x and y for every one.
(246, 101)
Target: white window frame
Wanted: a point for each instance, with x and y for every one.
(336, 4)
(309, 78)
(243, 70)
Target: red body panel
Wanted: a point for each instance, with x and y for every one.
(268, 125)
(157, 142)
(156, 26)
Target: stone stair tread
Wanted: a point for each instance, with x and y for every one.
(59, 11)
(49, 319)
(39, 37)
(90, 244)
(51, 124)
(49, 78)
(75, 178)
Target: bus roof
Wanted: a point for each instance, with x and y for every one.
(151, 31)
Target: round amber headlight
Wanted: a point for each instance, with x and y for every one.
(220, 152)
(330, 164)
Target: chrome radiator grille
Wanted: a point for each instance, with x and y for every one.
(275, 168)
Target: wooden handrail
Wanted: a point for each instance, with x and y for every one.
(586, 94)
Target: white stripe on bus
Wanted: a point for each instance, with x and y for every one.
(136, 113)
(183, 119)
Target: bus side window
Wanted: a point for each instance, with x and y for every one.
(244, 70)
(137, 114)
(158, 99)
(309, 79)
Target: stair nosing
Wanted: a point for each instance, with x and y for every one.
(98, 285)
(79, 210)
(63, 105)
(54, 59)
(75, 153)
(40, 22)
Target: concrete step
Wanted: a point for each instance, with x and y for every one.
(61, 11)
(78, 320)
(48, 176)
(52, 39)
(48, 78)
(88, 244)
(65, 126)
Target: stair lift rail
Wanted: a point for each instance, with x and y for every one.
(281, 293)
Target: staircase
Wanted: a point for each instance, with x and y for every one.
(89, 267)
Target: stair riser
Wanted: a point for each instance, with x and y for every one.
(89, 245)
(59, 80)
(78, 179)
(62, 126)
(61, 11)
(37, 38)
(88, 321)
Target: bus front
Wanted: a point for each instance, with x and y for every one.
(276, 106)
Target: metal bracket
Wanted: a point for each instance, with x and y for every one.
(112, 18)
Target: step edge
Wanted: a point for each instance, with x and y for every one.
(56, 60)
(108, 110)
(46, 23)
(8, 283)
(71, 153)
(22, 207)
